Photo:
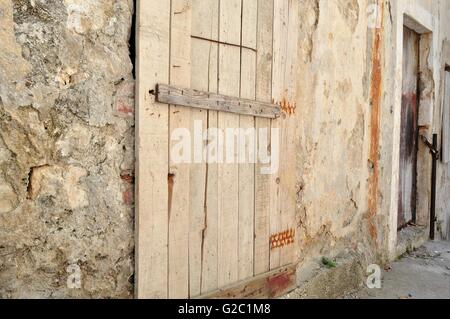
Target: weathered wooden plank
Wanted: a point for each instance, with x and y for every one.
(217, 102)
(203, 211)
(179, 175)
(249, 23)
(199, 121)
(152, 143)
(247, 143)
(288, 146)
(210, 243)
(230, 22)
(263, 93)
(228, 174)
(205, 19)
(211, 233)
(280, 33)
(268, 285)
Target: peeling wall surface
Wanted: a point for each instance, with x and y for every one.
(349, 128)
(66, 149)
(443, 170)
(67, 141)
(335, 117)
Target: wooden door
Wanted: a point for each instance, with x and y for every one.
(205, 227)
(409, 129)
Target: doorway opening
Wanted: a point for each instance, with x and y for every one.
(409, 131)
(415, 123)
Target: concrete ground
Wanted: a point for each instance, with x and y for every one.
(422, 274)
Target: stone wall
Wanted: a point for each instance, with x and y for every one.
(66, 149)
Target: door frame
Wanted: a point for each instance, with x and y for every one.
(420, 20)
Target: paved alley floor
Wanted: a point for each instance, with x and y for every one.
(422, 274)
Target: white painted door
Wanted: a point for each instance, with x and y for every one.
(203, 225)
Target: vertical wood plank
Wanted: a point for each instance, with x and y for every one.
(288, 146)
(263, 93)
(228, 174)
(249, 23)
(230, 22)
(179, 117)
(153, 44)
(203, 177)
(211, 234)
(198, 170)
(247, 142)
(280, 32)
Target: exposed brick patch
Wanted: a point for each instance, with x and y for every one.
(128, 196)
(124, 99)
(127, 176)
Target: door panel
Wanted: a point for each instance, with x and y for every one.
(409, 129)
(203, 225)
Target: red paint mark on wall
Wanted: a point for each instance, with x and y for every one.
(128, 197)
(124, 108)
(124, 100)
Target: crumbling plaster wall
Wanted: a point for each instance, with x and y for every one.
(347, 104)
(66, 148)
(335, 82)
(443, 170)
